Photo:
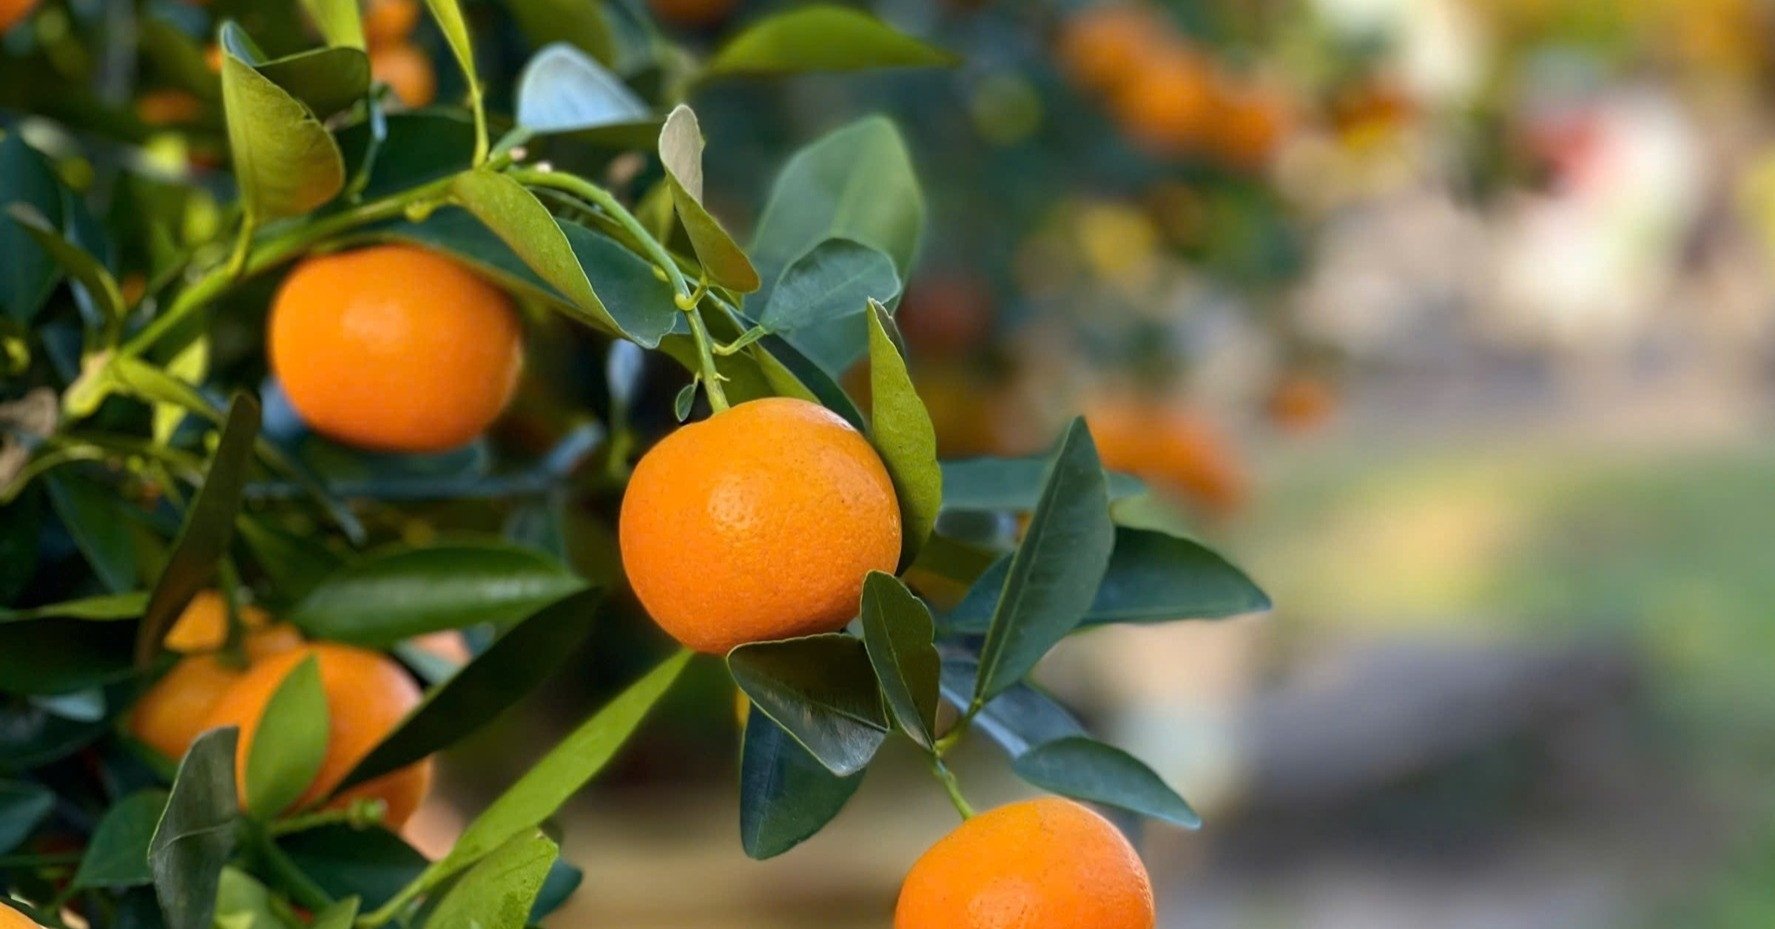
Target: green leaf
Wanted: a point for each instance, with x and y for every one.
(295, 563)
(117, 855)
(99, 607)
(563, 89)
(564, 770)
(448, 14)
(189, 365)
(399, 593)
(412, 149)
(897, 632)
(821, 689)
(1019, 719)
(86, 270)
(340, 915)
(821, 302)
(28, 274)
(1152, 577)
(1009, 484)
(497, 893)
(902, 430)
(295, 726)
(373, 864)
(23, 807)
(96, 518)
(208, 528)
(557, 888)
(786, 795)
(681, 154)
(583, 26)
(1085, 769)
(285, 161)
(195, 836)
(326, 80)
(339, 21)
(1056, 570)
(58, 656)
(494, 681)
(244, 903)
(684, 401)
(856, 183)
(822, 38)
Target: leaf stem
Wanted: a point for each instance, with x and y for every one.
(951, 786)
(705, 355)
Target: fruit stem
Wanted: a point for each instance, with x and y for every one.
(951, 786)
(705, 354)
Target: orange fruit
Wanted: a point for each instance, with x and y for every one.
(389, 22)
(203, 627)
(1173, 449)
(406, 70)
(757, 523)
(395, 348)
(167, 107)
(11, 12)
(367, 693)
(9, 917)
(1039, 864)
(1170, 105)
(693, 14)
(1249, 126)
(172, 713)
(1104, 46)
(1301, 403)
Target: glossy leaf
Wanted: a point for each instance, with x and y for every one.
(23, 807)
(821, 303)
(403, 592)
(1019, 719)
(786, 794)
(99, 607)
(1085, 769)
(285, 162)
(498, 892)
(1055, 572)
(208, 527)
(83, 267)
(117, 855)
(819, 37)
(681, 154)
(339, 21)
(901, 428)
(29, 273)
(514, 665)
(195, 835)
(291, 742)
(1009, 484)
(897, 633)
(821, 689)
(563, 89)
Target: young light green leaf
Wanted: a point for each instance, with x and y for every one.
(29, 273)
(1085, 769)
(195, 835)
(526, 226)
(821, 689)
(23, 807)
(190, 365)
(399, 593)
(117, 855)
(285, 161)
(902, 430)
(290, 744)
(819, 37)
(897, 632)
(1054, 574)
(98, 607)
(786, 795)
(341, 915)
(563, 89)
(681, 153)
(514, 665)
(448, 15)
(85, 269)
(685, 400)
(339, 21)
(244, 903)
(497, 893)
(208, 528)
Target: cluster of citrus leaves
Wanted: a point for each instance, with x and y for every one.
(135, 473)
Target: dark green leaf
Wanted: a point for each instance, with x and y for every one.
(371, 863)
(1085, 769)
(498, 892)
(821, 303)
(496, 679)
(28, 274)
(786, 795)
(208, 528)
(326, 80)
(291, 742)
(583, 26)
(295, 563)
(415, 148)
(563, 89)
(195, 835)
(94, 517)
(1009, 484)
(21, 525)
(403, 592)
(32, 736)
(284, 160)
(1019, 719)
(822, 38)
(1056, 570)
(821, 689)
(100, 607)
(117, 855)
(681, 154)
(23, 806)
(81, 265)
(901, 428)
(897, 631)
(58, 656)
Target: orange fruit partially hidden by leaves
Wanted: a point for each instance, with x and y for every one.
(170, 715)
(1039, 864)
(693, 14)
(395, 348)
(11, 12)
(387, 22)
(406, 70)
(367, 696)
(9, 917)
(758, 523)
(203, 627)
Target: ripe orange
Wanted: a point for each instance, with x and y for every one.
(758, 523)
(203, 627)
(693, 14)
(11, 12)
(1170, 105)
(406, 70)
(387, 22)
(172, 713)
(367, 695)
(395, 348)
(1173, 449)
(1250, 123)
(1104, 46)
(9, 917)
(1039, 864)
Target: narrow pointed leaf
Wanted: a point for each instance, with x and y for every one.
(291, 742)
(339, 21)
(897, 632)
(1085, 769)
(821, 689)
(448, 15)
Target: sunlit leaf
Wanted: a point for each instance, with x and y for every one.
(293, 729)
(901, 428)
(498, 892)
(819, 37)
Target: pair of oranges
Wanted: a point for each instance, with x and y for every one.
(394, 59)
